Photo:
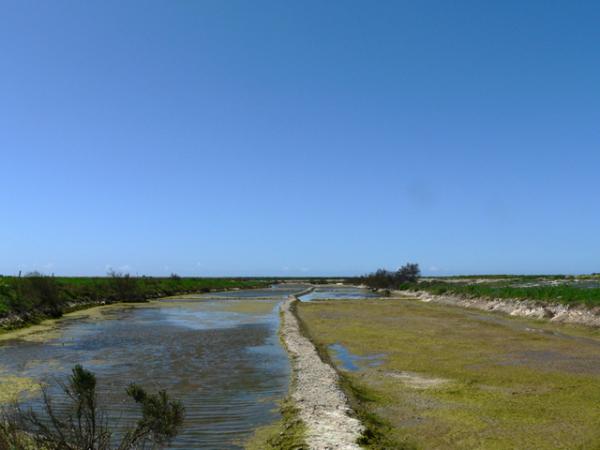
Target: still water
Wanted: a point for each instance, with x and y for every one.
(221, 357)
(351, 362)
(331, 292)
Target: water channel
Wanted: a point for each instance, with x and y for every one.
(219, 353)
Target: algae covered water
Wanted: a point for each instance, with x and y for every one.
(221, 357)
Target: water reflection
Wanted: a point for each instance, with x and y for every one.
(351, 362)
(338, 293)
(222, 358)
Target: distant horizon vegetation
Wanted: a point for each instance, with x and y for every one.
(33, 297)
(301, 277)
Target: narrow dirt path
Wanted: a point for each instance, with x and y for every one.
(323, 407)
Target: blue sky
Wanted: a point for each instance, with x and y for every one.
(290, 138)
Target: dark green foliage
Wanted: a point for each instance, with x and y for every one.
(44, 291)
(124, 286)
(37, 296)
(161, 417)
(384, 279)
(82, 425)
(8, 296)
(34, 292)
(11, 436)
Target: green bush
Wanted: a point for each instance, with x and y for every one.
(81, 424)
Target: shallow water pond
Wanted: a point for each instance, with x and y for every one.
(352, 362)
(275, 291)
(338, 293)
(222, 358)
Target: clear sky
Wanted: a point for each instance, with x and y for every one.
(299, 137)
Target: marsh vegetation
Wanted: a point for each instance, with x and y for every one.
(566, 289)
(450, 377)
(560, 290)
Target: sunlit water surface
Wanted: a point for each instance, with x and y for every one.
(222, 358)
(330, 292)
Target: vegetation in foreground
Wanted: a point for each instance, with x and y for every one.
(35, 296)
(454, 378)
(82, 425)
(285, 434)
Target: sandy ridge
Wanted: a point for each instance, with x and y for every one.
(554, 312)
(323, 407)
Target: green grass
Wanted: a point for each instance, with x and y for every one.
(504, 276)
(495, 383)
(566, 294)
(376, 434)
(288, 433)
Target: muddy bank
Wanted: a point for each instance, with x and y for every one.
(555, 312)
(322, 405)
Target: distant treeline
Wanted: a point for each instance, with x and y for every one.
(35, 296)
(385, 279)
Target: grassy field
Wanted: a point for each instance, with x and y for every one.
(523, 288)
(452, 378)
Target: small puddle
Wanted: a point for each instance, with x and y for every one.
(352, 362)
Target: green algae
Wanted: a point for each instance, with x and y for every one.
(13, 388)
(506, 385)
(50, 329)
(287, 433)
